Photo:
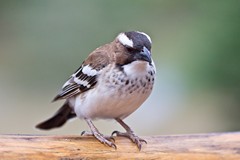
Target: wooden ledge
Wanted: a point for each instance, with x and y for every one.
(212, 146)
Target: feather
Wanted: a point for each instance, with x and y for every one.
(85, 78)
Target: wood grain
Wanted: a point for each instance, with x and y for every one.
(212, 146)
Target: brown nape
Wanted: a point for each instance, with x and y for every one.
(98, 59)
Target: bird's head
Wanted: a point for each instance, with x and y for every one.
(137, 46)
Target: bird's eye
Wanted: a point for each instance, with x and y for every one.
(130, 49)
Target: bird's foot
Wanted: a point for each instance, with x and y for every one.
(107, 140)
(130, 135)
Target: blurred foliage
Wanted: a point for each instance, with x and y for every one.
(196, 47)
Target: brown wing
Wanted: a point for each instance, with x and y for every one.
(85, 77)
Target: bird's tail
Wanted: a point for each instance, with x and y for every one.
(61, 116)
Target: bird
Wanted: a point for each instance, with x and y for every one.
(111, 83)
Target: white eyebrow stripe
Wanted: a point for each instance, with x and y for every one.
(148, 37)
(125, 40)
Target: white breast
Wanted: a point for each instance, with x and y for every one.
(117, 93)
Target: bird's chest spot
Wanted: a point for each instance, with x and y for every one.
(121, 85)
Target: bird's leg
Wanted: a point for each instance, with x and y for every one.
(129, 134)
(94, 132)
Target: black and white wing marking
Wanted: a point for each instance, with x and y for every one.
(82, 80)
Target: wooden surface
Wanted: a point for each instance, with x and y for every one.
(213, 146)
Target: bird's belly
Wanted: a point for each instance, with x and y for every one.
(113, 101)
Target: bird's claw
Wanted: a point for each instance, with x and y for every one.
(130, 135)
(86, 133)
(102, 138)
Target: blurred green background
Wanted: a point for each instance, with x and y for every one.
(196, 48)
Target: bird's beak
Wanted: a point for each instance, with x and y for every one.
(144, 55)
